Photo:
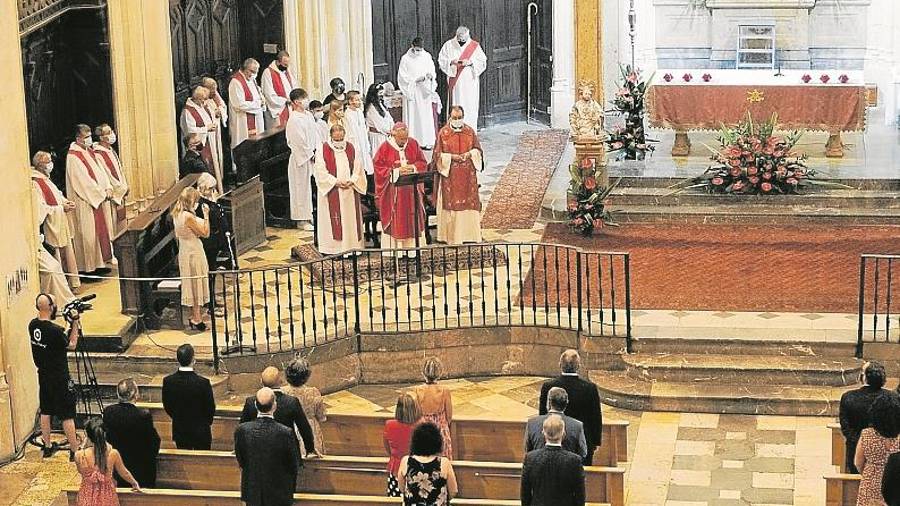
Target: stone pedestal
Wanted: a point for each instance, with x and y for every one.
(593, 148)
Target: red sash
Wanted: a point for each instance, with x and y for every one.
(99, 216)
(109, 164)
(466, 54)
(248, 96)
(206, 153)
(334, 197)
(49, 197)
(278, 85)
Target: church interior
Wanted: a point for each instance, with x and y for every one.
(700, 197)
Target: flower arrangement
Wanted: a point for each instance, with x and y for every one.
(687, 77)
(844, 78)
(752, 160)
(806, 78)
(707, 78)
(824, 78)
(630, 141)
(588, 202)
(668, 77)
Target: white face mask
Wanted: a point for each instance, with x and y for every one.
(88, 141)
(339, 145)
(319, 115)
(457, 124)
(111, 138)
(48, 168)
(305, 103)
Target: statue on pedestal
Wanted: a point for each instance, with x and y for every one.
(586, 117)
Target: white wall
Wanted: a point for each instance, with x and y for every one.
(617, 43)
(882, 66)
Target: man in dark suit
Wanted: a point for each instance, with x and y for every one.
(130, 430)
(290, 412)
(268, 455)
(188, 399)
(584, 400)
(557, 400)
(552, 476)
(854, 407)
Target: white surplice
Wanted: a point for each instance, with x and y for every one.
(382, 124)
(467, 90)
(351, 221)
(302, 137)
(276, 103)
(239, 108)
(52, 277)
(88, 195)
(420, 97)
(117, 180)
(209, 133)
(358, 135)
(55, 220)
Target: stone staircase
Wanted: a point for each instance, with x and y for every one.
(731, 376)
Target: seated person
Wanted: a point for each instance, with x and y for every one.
(192, 162)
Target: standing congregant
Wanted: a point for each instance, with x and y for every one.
(188, 399)
(130, 430)
(88, 186)
(197, 119)
(584, 400)
(463, 60)
(400, 155)
(245, 103)
(340, 181)
(277, 83)
(302, 137)
(219, 112)
(416, 78)
(109, 159)
(53, 211)
(457, 156)
(357, 131)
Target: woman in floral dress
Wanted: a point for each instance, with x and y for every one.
(426, 478)
(297, 373)
(876, 444)
(435, 403)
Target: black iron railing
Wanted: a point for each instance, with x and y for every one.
(296, 306)
(877, 314)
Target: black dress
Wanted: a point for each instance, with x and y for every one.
(216, 247)
(424, 484)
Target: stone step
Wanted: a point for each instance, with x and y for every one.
(631, 181)
(718, 347)
(127, 364)
(742, 370)
(840, 199)
(619, 390)
(756, 215)
(150, 386)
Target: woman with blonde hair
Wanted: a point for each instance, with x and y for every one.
(397, 434)
(192, 265)
(435, 403)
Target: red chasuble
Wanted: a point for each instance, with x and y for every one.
(99, 215)
(459, 190)
(396, 204)
(334, 196)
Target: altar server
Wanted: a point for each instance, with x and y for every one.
(458, 159)
(109, 159)
(378, 119)
(245, 103)
(416, 78)
(398, 156)
(340, 181)
(357, 131)
(302, 137)
(277, 83)
(463, 60)
(53, 211)
(88, 186)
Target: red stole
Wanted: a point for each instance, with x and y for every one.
(49, 197)
(99, 216)
(334, 197)
(206, 153)
(466, 54)
(278, 85)
(109, 164)
(248, 96)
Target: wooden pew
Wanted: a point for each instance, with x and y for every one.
(361, 435)
(211, 470)
(167, 497)
(838, 447)
(841, 489)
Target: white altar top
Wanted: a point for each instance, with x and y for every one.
(746, 77)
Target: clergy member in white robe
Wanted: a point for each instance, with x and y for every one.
(340, 180)
(378, 119)
(357, 131)
(53, 211)
(88, 186)
(416, 79)
(245, 104)
(52, 277)
(277, 83)
(302, 138)
(196, 118)
(109, 159)
(463, 60)
(218, 110)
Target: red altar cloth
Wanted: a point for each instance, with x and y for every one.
(830, 108)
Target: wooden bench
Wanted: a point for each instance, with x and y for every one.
(841, 489)
(167, 497)
(361, 435)
(838, 447)
(213, 470)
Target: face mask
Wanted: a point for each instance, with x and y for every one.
(319, 115)
(111, 138)
(88, 141)
(339, 89)
(462, 39)
(48, 168)
(305, 103)
(339, 144)
(416, 51)
(282, 68)
(253, 76)
(456, 124)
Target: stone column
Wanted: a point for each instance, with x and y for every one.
(18, 381)
(144, 95)
(562, 93)
(589, 44)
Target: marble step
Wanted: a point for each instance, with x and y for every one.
(743, 370)
(619, 390)
(127, 364)
(756, 346)
(841, 199)
(150, 386)
(756, 215)
(631, 181)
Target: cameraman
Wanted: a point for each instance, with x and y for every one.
(49, 346)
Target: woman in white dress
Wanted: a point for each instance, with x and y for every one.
(192, 264)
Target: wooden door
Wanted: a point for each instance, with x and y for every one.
(541, 65)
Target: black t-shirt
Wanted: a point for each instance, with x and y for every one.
(48, 348)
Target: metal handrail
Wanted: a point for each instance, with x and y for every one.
(875, 290)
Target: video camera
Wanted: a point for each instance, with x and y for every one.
(77, 306)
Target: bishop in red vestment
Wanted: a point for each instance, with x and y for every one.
(399, 155)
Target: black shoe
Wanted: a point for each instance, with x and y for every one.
(48, 451)
(201, 326)
(71, 455)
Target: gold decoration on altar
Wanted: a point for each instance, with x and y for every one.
(755, 96)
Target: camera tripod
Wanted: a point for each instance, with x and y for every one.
(85, 382)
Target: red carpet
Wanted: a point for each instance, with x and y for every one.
(731, 267)
(516, 200)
